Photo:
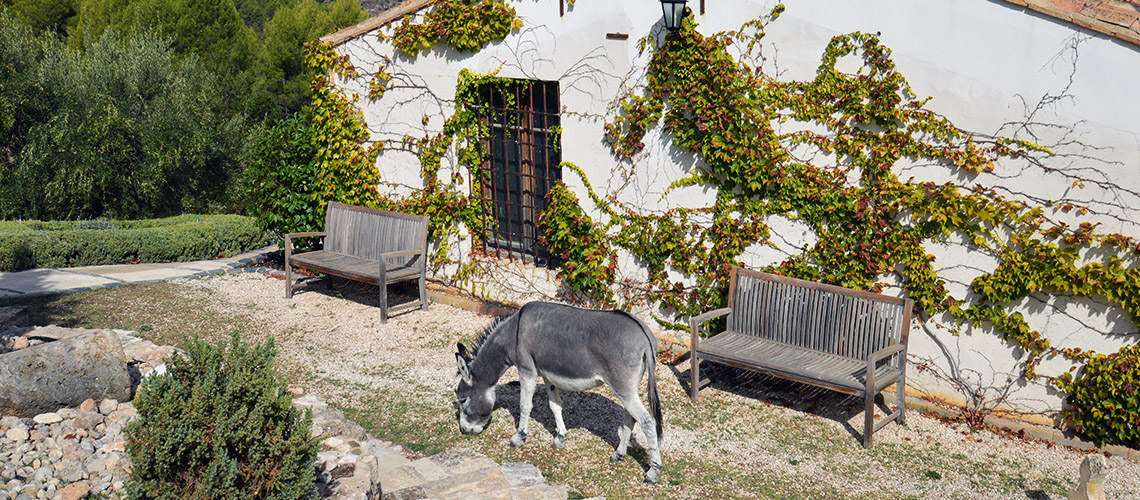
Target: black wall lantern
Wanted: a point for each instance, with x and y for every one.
(674, 11)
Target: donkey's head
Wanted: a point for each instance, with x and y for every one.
(476, 397)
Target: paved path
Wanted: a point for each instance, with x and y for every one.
(50, 280)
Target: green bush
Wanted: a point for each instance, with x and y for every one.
(282, 183)
(220, 424)
(182, 238)
(1104, 398)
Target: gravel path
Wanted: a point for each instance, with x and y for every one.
(770, 427)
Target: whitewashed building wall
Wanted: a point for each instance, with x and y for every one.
(986, 64)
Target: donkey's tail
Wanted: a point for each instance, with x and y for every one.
(654, 401)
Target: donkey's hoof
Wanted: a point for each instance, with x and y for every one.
(651, 476)
(518, 440)
(559, 442)
(617, 457)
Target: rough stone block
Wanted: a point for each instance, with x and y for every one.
(1094, 471)
(63, 373)
(522, 474)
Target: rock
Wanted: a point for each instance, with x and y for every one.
(48, 376)
(42, 475)
(1094, 470)
(18, 434)
(87, 405)
(108, 405)
(47, 418)
(520, 474)
(11, 422)
(74, 491)
(97, 466)
(87, 420)
(73, 474)
(112, 462)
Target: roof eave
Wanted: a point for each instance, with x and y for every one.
(376, 22)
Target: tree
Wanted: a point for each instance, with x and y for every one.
(21, 102)
(51, 16)
(132, 133)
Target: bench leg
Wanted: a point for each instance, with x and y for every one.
(423, 293)
(288, 279)
(383, 304)
(694, 375)
(868, 419)
(900, 387)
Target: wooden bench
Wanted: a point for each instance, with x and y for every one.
(366, 245)
(846, 340)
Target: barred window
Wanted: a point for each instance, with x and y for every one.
(523, 145)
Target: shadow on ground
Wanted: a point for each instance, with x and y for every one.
(806, 398)
(587, 411)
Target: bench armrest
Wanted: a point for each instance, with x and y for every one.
(695, 323)
(305, 234)
(290, 236)
(883, 353)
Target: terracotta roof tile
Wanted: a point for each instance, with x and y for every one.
(1116, 18)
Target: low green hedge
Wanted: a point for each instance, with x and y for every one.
(29, 244)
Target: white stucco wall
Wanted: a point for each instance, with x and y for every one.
(987, 66)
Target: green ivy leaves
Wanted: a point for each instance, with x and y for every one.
(466, 25)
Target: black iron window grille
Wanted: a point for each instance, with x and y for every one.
(522, 140)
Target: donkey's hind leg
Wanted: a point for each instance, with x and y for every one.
(633, 406)
(555, 399)
(623, 436)
(526, 401)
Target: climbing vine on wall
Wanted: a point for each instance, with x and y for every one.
(347, 165)
(869, 222)
(467, 25)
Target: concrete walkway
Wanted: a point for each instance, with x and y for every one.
(51, 280)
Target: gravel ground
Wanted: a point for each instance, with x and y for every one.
(747, 424)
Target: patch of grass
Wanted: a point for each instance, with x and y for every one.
(159, 312)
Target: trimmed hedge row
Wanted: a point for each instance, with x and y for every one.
(30, 244)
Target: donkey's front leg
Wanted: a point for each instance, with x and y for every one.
(555, 399)
(526, 401)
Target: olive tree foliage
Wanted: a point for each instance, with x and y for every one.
(56, 17)
(121, 129)
(253, 46)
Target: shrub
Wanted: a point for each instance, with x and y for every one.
(86, 243)
(1104, 398)
(220, 424)
(282, 181)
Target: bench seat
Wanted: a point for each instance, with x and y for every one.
(353, 268)
(837, 373)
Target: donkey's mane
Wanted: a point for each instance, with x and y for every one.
(486, 334)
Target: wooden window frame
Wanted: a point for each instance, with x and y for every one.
(522, 161)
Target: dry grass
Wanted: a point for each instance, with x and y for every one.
(750, 437)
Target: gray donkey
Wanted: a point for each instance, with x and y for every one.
(572, 349)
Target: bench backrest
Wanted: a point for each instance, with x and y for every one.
(825, 318)
(368, 232)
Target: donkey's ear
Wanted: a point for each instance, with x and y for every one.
(462, 351)
(464, 371)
